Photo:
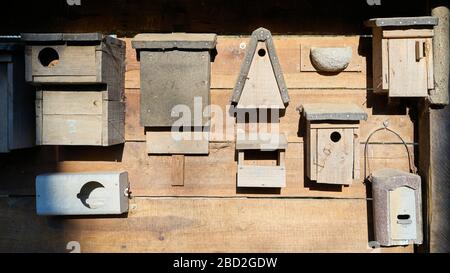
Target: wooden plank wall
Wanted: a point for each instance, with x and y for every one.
(209, 213)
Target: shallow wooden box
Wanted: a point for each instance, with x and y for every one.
(78, 118)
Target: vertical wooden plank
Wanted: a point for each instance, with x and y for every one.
(429, 62)
(39, 118)
(335, 158)
(357, 155)
(4, 108)
(177, 172)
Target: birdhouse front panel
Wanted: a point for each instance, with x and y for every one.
(78, 118)
(403, 55)
(332, 137)
(76, 58)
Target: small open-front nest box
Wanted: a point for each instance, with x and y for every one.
(76, 58)
(332, 142)
(403, 55)
(17, 124)
(258, 175)
(261, 83)
(397, 207)
(175, 76)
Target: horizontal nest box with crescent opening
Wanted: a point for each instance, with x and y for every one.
(80, 79)
(260, 85)
(104, 193)
(175, 77)
(332, 142)
(403, 55)
(17, 121)
(397, 207)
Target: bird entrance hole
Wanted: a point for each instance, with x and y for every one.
(48, 57)
(262, 52)
(335, 137)
(403, 217)
(92, 195)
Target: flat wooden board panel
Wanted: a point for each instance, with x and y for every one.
(72, 103)
(196, 225)
(177, 143)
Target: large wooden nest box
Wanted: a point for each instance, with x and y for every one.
(80, 86)
(261, 83)
(403, 55)
(76, 58)
(17, 125)
(258, 175)
(175, 75)
(82, 193)
(397, 207)
(332, 147)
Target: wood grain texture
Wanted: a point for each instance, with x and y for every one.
(196, 225)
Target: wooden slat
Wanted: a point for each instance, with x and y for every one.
(72, 103)
(178, 170)
(408, 33)
(196, 225)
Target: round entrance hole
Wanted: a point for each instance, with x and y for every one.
(335, 137)
(48, 57)
(262, 52)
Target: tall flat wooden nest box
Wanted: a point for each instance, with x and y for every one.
(175, 76)
(397, 207)
(332, 147)
(260, 85)
(80, 79)
(17, 125)
(403, 55)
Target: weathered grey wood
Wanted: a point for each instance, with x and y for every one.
(261, 142)
(329, 111)
(195, 143)
(261, 177)
(441, 53)
(83, 59)
(78, 118)
(175, 40)
(170, 79)
(17, 123)
(260, 35)
(402, 21)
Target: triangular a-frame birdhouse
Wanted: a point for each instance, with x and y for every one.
(261, 83)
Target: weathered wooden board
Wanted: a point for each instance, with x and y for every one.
(196, 225)
(231, 51)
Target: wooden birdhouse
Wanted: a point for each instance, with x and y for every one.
(403, 55)
(332, 142)
(397, 207)
(82, 193)
(80, 87)
(175, 71)
(76, 58)
(261, 83)
(17, 125)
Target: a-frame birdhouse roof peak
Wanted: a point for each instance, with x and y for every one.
(261, 39)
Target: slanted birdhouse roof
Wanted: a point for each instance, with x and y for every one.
(330, 111)
(260, 35)
(402, 21)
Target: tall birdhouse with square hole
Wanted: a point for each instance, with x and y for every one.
(260, 89)
(403, 55)
(332, 142)
(80, 79)
(82, 193)
(397, 207)
(175, 90)
(17, 123)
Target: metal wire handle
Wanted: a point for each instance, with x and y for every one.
(412, 168)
